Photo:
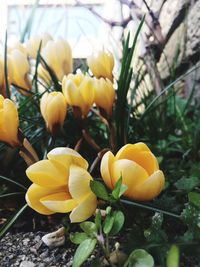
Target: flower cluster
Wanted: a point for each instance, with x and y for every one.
(61, 183)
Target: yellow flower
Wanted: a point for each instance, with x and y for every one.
(101, 64)
(44, 74)
(58, 56)
(2, 76)
(53, 107)
(33, 44)
(9, 122)
(104, 96)
(78, 90)
(19, 46)
(139, 170)
(20, 70)
(61, 184)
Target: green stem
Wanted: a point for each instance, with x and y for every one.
(145, 206)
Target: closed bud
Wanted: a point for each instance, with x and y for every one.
(53, 107)
(33, 44)
(101, 64)
(9, 122)
(104, 96)
(78, 90)
(20, 71)
(58, 56)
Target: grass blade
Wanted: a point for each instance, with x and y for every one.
(6, 179)
(9, 224)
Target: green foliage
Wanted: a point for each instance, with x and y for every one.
(139, 258)
(83, 251)
(173, 257)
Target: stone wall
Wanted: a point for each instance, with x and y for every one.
(179, 22)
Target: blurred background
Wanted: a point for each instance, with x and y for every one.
(168, 44)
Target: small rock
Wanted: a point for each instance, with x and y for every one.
(55, 239)
(27, 264)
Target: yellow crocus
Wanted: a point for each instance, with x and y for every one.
(61, 184)
(53, 107)
(104, 96)
(139, 170)
(44, 74)
(9, 122)
(19, 46)
(101, 64)
(33, 44)
(20, 71)
(78, 90)
(58, 56)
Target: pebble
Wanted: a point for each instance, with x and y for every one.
(27, 264)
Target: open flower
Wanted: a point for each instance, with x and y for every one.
(20, 71)
(78, 90)
(58, 56)
(53, 107)
(9, 122)
(104, 96)
(61, 184)
(139, 170)
(101, 64)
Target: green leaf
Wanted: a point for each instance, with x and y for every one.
(173, 257)
(118, 222)
(83, 251)
(119, 189)
(6, 179)
(78, 238)
(139, 258)
(99, 190)
(89, 228)
(6, 68)
(194, 198)
(108, 223)
(187, 183)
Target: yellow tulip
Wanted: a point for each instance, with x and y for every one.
(101, 64)
(20, 70)
(58, 56)
(33, 44)
(139, 170)
(104, 96)
(53, 107)
(9, 122)
(78, 90)
(61, 184)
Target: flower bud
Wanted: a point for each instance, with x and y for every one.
(78, 90)
(101, 64)
(58, 56)
(33, 44)
(104, 96)
(2, 75)
(20, 70)
(139, 170)
(9, 122)
(53, 107)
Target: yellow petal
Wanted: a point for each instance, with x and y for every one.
(48, 173)
(141, 154)
(104, 95)
(33, 196)
(11, 122)
(106, 165)
(59, 202)
(85, 209)
(79, 183)
(151, 188)
(67, 156)
(132, 174)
